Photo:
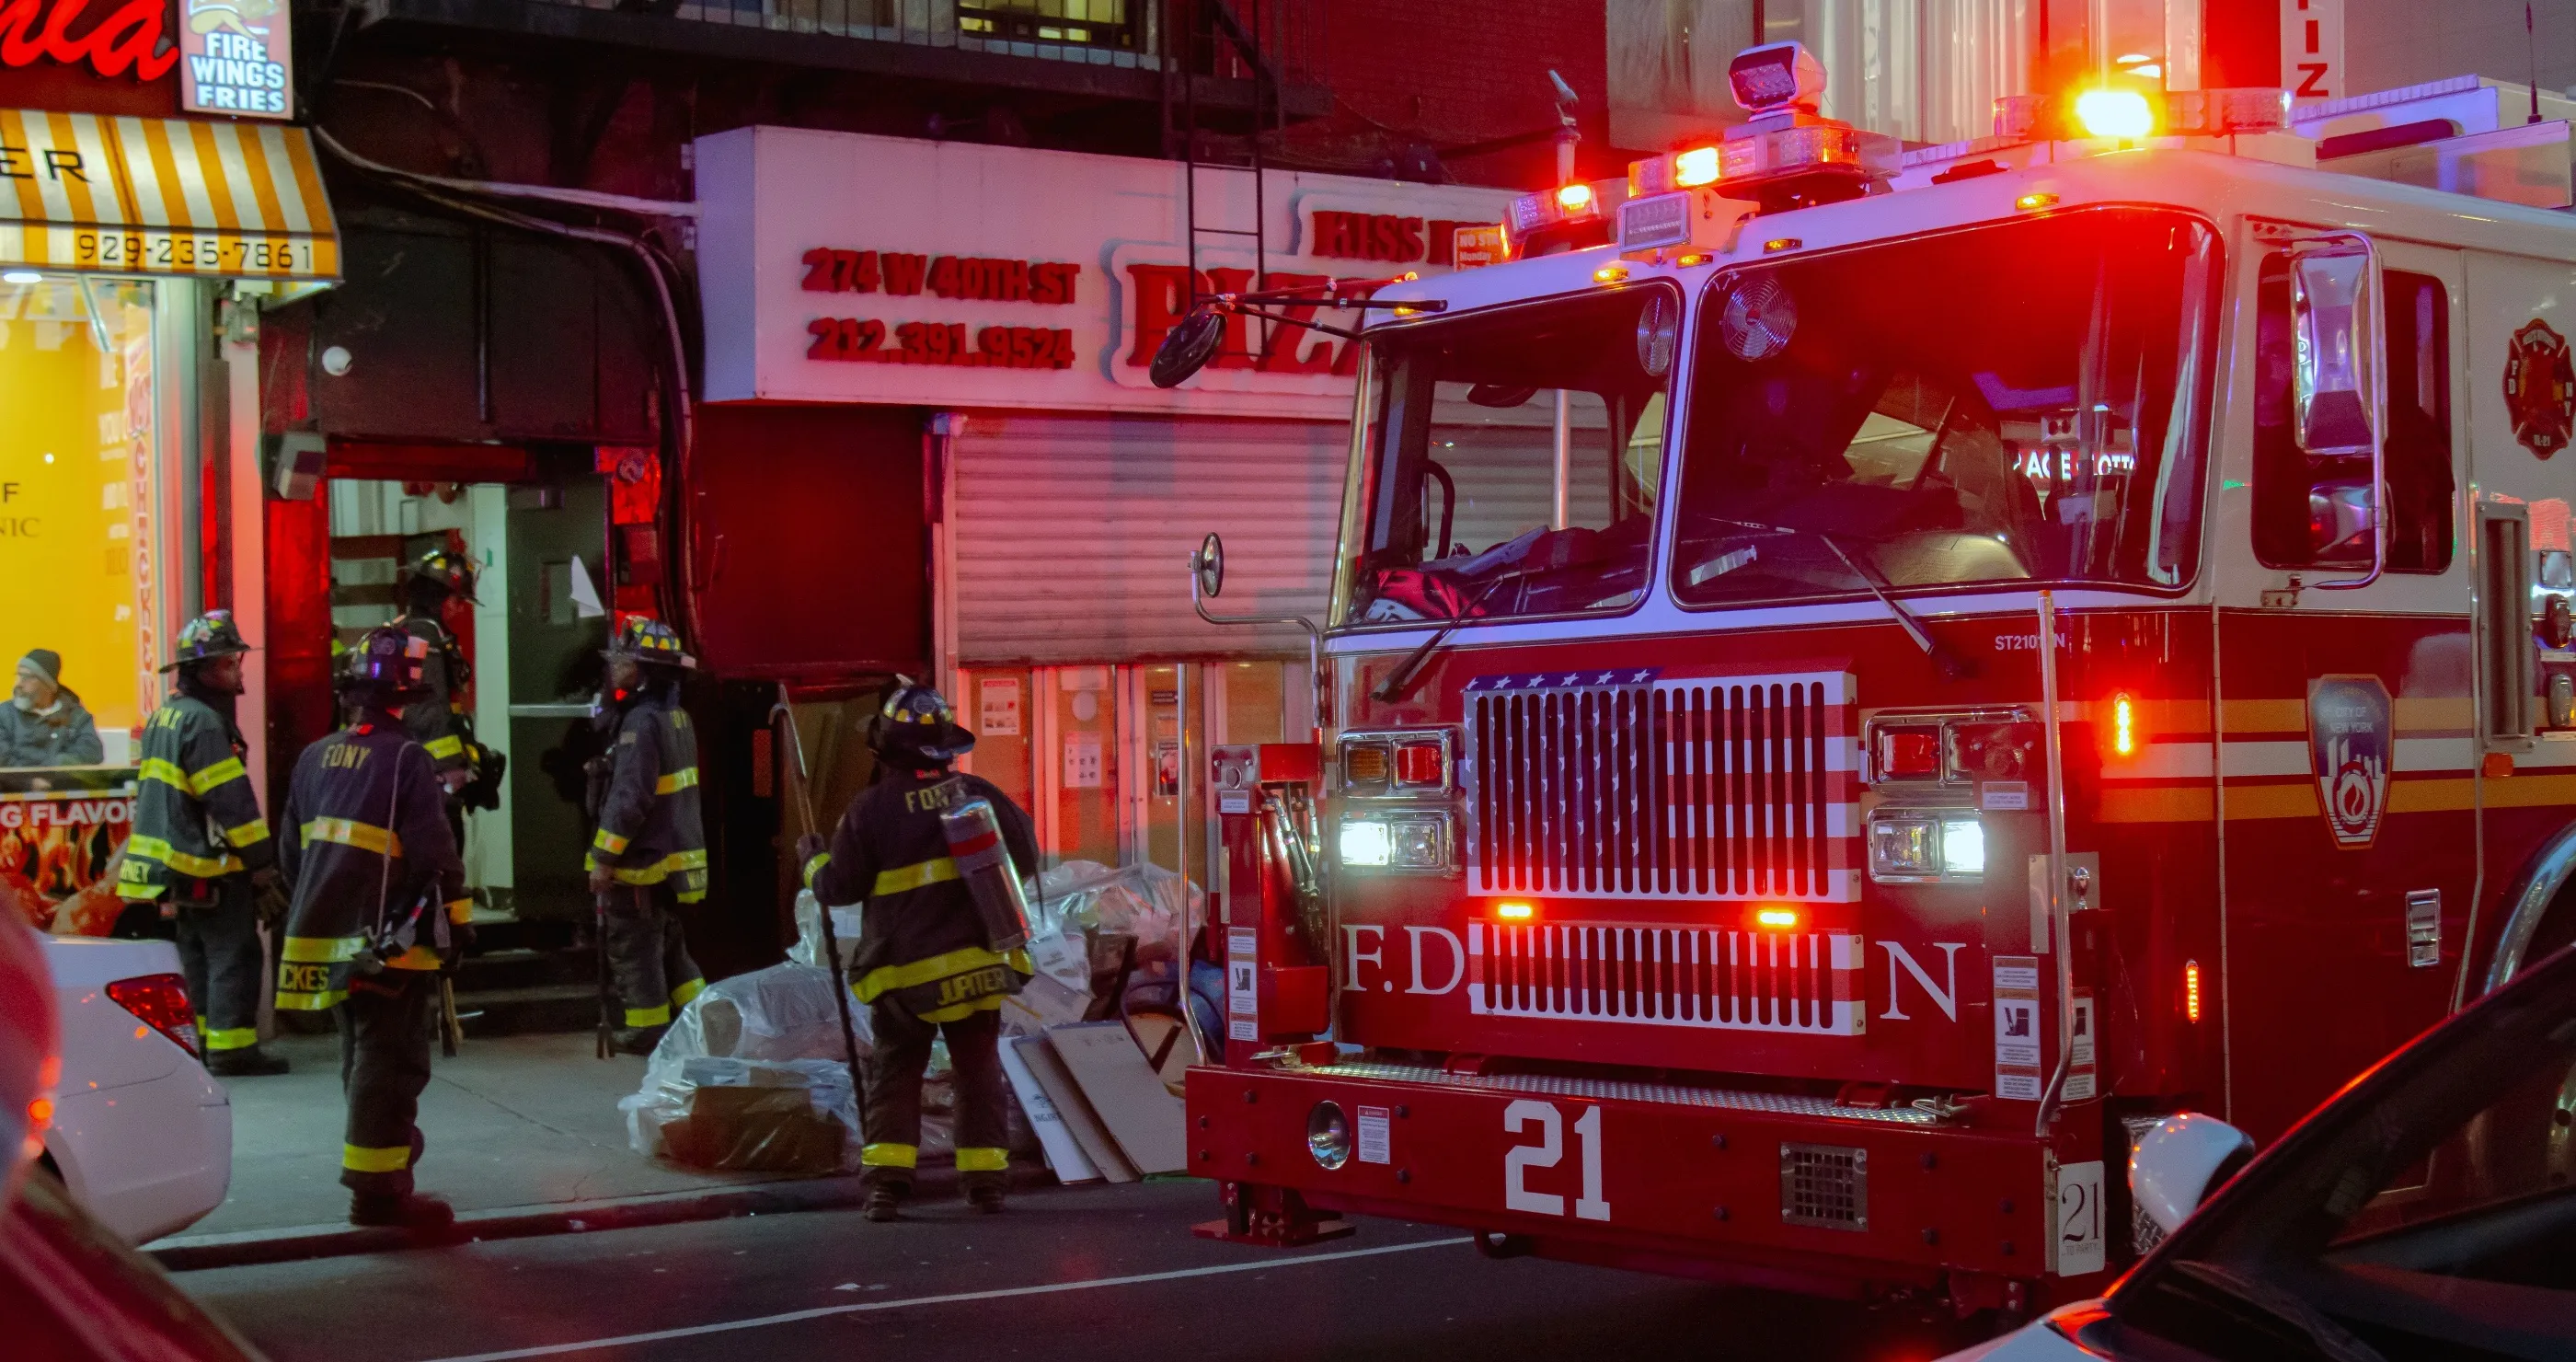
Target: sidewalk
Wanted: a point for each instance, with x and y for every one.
(515, 1124)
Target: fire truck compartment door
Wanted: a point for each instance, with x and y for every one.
(2346, 768)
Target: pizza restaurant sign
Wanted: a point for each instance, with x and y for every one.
(234, 57)
(839, 267)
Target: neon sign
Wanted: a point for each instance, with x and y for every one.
(130, 38)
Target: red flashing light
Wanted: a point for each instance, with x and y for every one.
(159, 1001)
(1421, 764)
(1515, 912)
(1574, 198)
(2124, 726)
(1909, 753)
(2191, 990)
(1776, 918)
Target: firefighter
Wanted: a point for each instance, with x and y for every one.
(922, 965)
(650, 853)
(200, 848)
(437, 719)
(380, 907)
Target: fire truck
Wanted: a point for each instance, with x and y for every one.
(1859, 680)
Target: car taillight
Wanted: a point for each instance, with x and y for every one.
(1421, 765)
(159, 1001)
(1909, 753)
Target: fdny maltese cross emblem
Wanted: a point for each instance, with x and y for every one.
(2348, 741)
(2540, 389)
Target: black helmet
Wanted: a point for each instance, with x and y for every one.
(916, 727)
(449, 569)
(646, 639)
(389, 665)
(205, 638)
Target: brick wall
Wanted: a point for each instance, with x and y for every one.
(1451, 73)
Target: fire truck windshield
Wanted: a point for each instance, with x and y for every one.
(1509, 461)
(2019, 403)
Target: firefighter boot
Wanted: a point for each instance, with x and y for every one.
(984, 1194)
(406, 1210)
(885, 1198)
(638, 1040)
(252, 1061)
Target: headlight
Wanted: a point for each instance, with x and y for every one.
(1910, 846)
(1397, 841)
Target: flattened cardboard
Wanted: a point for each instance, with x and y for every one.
(1148, 1122)
(1063, 1152)
(1080, 1121)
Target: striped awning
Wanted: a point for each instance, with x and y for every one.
(162, 196)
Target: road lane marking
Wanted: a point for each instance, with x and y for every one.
(953, 1298)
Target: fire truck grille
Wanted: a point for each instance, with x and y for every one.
(1824, 1185)
(1697, 788)
(1667, 976)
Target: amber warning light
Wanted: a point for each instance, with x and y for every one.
(2191, 990)
(2124, 726)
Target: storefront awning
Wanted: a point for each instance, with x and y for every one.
(162, 196)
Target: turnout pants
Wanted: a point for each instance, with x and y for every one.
(647, 956)
(893, 1115)
(219, 954)
(384, 1064)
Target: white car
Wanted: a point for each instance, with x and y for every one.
(140, 1132)
(2427, 1211)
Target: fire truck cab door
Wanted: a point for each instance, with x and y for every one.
(2348, 823)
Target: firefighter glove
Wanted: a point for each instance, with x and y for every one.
(269, 896)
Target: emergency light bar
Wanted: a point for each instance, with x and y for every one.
(1568, 217)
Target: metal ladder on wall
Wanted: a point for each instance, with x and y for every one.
(1204, 24)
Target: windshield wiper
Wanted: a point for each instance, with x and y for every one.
(1952, 669)
(1400, 681)
(2283, 1306)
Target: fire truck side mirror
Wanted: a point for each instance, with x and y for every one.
(2332, 314)
(1208, 565)
(2180, 1162)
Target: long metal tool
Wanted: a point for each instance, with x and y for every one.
(802, 784)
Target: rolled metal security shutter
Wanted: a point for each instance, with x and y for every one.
(1072, 533)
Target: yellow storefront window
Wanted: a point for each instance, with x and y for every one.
(77, 479)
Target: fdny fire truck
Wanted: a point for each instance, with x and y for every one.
(1858, 681)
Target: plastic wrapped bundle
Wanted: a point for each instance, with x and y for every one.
(1151, 904)
(798, 1116)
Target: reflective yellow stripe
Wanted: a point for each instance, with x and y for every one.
(229, 1038)
(360, 1159)
(914, 876)
(460, 910)
(815, 866)
(322, 950)
(418, 957)
(889, 1155)
(990, 1002)
(680, 996)
(690, 895)
(349, 832)
(609, 842)
(677, 781)
(661, 870)
(958, 961)
(230, 768)
(443, 748)
(311, 1002)
(167, 772)
(982, 1160)
(203, 867)
(256, 830)
(648, 1016)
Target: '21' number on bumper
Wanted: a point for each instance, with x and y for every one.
(1543, 1120)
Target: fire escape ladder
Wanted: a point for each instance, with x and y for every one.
(1208, 29)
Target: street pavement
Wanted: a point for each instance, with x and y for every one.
(514, 1122)
(1068, 1273)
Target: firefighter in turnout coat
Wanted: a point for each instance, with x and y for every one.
(380, 907)
(650, 853)
(922, 965)
(200, 848)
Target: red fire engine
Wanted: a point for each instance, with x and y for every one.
(1852, 696)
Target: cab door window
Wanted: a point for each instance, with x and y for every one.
(2313, 510)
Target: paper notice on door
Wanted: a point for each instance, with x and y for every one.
(997, 704)
(2017, 1072)
(1082, 761)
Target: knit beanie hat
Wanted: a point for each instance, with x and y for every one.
(47, 661)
